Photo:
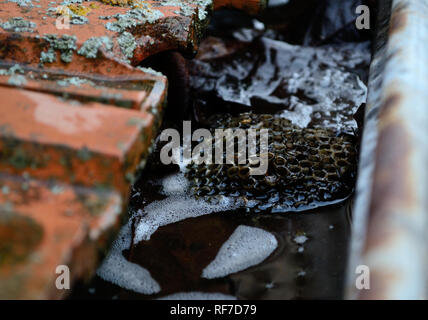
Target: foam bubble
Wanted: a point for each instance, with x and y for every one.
(300, 239)
(174, 184)
(119, 271)
(177, 208)
(179, 205)
(198, 296)
(246, 247)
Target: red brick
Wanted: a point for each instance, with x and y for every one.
(172, 30)
(138, 90)
(91, 144)
(44, 225)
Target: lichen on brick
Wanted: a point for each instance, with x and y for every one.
(48, 57)
(79, 9)
(132, 18)
(127, 44)
(75, 19)
(133, 121)
(76, 13)
(151, 71)
(94, 204)
(66, 45)
(17, 80)
(70, 2)
(23, 3)
(92, 46)
(118, 2)
(203, 7)
(121, 24)
(74, 81)
(19, 159)
(16, 68)
(56, 189)
(188, 8)
(18, 24)
(84, 154)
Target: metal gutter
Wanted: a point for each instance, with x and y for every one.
(390, 213)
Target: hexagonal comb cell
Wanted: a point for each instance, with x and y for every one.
(307, 167)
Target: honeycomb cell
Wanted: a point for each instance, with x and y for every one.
(307, 167)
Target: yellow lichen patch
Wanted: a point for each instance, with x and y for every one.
(141, 4)
(79, 9)
(133, 3)
(118, 2)
(63, 11)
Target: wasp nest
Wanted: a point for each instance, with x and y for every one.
(307, 167)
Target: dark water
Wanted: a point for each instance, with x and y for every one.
(177, 253)
(315, 272)
(308, 263)
(253, 69)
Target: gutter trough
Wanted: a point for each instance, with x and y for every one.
(390, 212)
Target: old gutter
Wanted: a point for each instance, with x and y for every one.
(390, 213)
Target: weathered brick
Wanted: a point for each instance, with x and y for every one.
(76, 121)
(107, 36)
(250, 6)
(140, 90)
(43, 225)
(91, 144)
(67, 132)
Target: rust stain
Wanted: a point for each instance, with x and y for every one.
(392, 185)
(381, 282)
(391, 102)
(398, 19)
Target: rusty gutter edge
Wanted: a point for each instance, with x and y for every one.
(390, 212)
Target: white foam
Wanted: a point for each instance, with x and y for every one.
(177, 208)
(273, 3)
(198, 296)
(246, 247)
(116, 269)
(300, 239)
(174, 184)
(179, 205)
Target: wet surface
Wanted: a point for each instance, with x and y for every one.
(309, 260)
(310, 86)
(175, 236)
(308, 263)
(306, 168)
(19, 236)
